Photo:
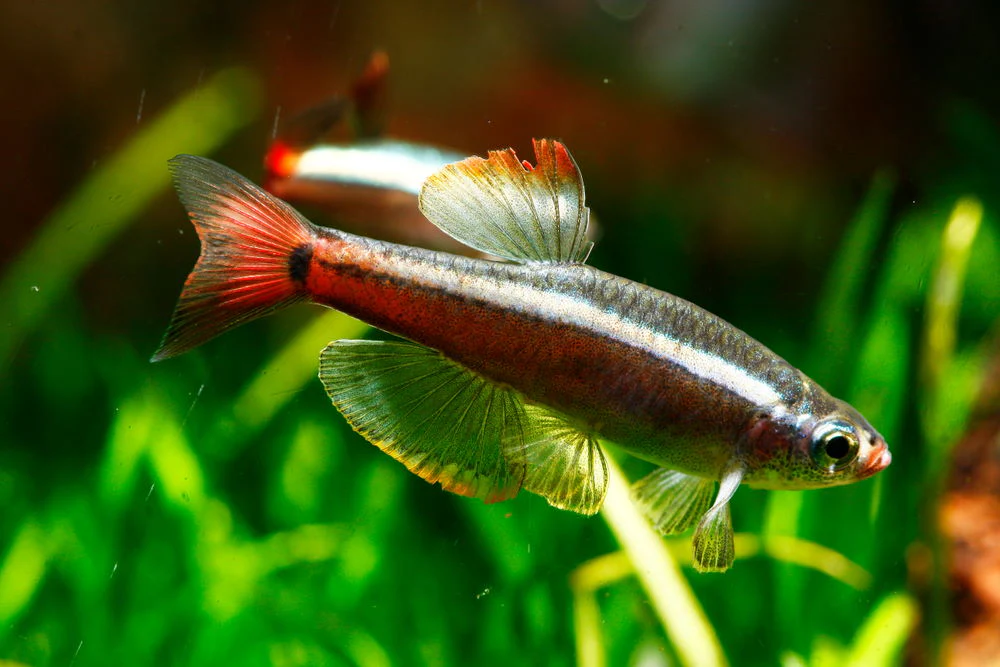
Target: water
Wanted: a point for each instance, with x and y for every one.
(794, 174)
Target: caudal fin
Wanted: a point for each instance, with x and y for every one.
(255, 251)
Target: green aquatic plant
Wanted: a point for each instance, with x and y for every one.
(216, 512)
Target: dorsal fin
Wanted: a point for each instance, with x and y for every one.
(505, 207)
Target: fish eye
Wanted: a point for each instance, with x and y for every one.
(835, 446)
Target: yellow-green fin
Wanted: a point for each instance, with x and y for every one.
(562, 464)
(505, 207)
(671, 500)
(713, 538)
(445, 423)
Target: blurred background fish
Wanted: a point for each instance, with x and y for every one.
(366, 184)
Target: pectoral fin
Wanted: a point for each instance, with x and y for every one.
(671, 500)
(508, 208)
(713, 538)
(445, 423)
(563, 464)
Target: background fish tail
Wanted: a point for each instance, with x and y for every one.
(255, 252)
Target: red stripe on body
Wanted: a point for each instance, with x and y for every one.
(616, 389)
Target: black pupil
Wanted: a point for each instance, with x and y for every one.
(838, 447)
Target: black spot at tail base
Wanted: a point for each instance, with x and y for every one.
(298, 263)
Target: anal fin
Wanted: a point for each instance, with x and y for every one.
(451, 426)
(563, 464)
(671, 500)
(445, 423)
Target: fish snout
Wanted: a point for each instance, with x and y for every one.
(878, 460)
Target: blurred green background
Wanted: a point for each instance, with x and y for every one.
(825, 177)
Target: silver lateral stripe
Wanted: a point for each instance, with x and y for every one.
(577, 310)
(717, 370)
(706, 365)
(392, 165)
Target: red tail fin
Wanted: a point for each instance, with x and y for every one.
(255, 251)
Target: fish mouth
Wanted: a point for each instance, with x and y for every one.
(878, 460)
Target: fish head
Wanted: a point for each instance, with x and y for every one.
(829, 444)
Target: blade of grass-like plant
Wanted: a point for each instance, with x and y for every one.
(148, 432)
(838, 320)
(110, 198)
(587, 629)
(280, 379)
(881, 639)
(806, 554)
(21, 572)
(679, 611)
(611, 568)
(585, 581)
(943, 302)
(949, 384)
(291, 368)
(838, 312)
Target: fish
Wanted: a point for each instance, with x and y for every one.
(507, 374)
(367, 186)
(365, 182)
(386, 164)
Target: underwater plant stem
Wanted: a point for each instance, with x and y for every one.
(679, 611)
(587, 630)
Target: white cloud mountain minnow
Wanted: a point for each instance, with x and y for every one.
(516, 368)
